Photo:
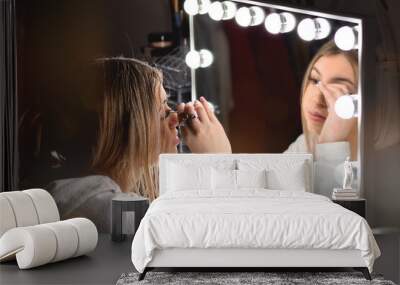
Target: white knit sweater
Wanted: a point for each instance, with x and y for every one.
(328, 163)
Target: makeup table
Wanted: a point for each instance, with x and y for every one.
(102, 266)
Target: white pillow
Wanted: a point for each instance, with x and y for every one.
(188, 177)
(288, 176)
(224, 179)
(251, 178)
(282, 174)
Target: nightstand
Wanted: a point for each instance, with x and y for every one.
(127, 212)
(358, 206)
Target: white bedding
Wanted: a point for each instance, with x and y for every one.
(250, 218)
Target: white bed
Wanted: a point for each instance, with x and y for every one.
(202, 220)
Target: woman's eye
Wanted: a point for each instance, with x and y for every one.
(313, 80)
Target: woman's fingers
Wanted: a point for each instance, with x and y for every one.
(332, 92)
(207, 107)
(336, 90)
(201, 112)
(193, 120)
(328, 94)
(180, 108)
(189, 109)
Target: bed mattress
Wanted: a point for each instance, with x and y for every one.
(250, 219)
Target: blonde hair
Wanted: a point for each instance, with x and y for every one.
(328, 49)
(129, 133)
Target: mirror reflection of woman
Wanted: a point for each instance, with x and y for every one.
(331, 73)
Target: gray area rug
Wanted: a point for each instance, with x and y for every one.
(273, 278)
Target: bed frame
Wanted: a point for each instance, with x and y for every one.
(249, 259)
(256, 259)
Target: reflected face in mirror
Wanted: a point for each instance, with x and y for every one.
(337, 74)
(169, 123)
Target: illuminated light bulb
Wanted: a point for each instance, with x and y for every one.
(313, 29)
(323, 28)
(216, 11)
(306, 29)
(273, 23)
(229, 10)
(346, 38)
(204, 6)
(257, 15)
(280, 23)
(346, 106)
(252, 16)
(194, 7)
(206, 58)
(289, 22)
(191, 7)
(243, 17)
(222, 11)
(193, 59)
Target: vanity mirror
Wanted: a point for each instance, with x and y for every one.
(251, 58)
(282, 79)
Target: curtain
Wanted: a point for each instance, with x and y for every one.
(8, 98)
(387, 123)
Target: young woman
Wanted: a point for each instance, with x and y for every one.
(134, 129)
(331, 73)
(136, 125)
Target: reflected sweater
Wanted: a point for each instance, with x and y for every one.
(328, 163)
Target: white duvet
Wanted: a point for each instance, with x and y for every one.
(250, 219)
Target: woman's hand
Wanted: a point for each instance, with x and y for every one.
(203, 133)
(335, 128)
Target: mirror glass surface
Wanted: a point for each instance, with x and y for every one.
(255, 82)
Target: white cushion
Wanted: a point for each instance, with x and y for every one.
(188, 177)
(282, 174)
(66, 237)
(45, 205)
(7, 218)
(288, 176)
(40, 244)
(230, 180)
(87, 233)
(32, 246)
(223, 179)
(251, 178)
(23, 208)
(26, 208)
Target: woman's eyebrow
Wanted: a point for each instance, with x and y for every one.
(316, 70)
(339, 79)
